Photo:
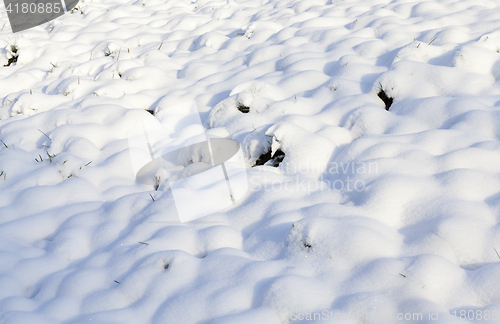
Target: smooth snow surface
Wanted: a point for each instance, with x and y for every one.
(371, 212)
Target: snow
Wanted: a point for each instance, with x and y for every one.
(371, 216)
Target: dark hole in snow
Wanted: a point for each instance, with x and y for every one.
(307, 245)
(276, 159)
(244, 109)
(150, 111)
(166, 266)
(387, 100)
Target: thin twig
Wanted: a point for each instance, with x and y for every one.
(44, 134)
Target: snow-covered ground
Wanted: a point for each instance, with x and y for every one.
(372, 216)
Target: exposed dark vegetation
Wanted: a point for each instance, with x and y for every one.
(385, 98)
(263, 158)
(13, 59)
(244, 109)
(278, 157)
(275, 159)
(157, 184)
